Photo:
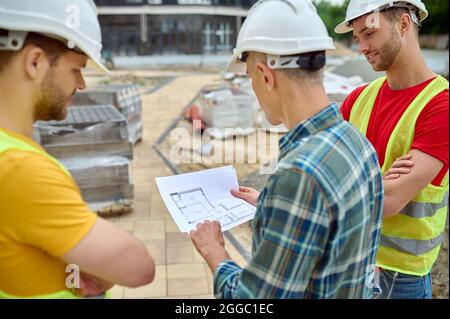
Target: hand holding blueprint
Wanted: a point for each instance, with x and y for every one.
(204, 195)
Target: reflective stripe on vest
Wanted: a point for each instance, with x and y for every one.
(410, 241)
(411, 246)
(65, 294)
(420, 210)
(8, 142)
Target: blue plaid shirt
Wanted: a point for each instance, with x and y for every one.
(317, 224)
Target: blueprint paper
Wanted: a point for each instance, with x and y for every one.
(204, 195)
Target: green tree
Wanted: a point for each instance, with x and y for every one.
(437, 21)
(332, 15)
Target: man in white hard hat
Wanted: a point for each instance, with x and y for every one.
(404, 115)
(49, 239)
(316, 227)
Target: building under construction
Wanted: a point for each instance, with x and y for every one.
(146, 27)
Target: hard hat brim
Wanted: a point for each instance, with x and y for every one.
(98, 66)
(235, 67)
(343, 28)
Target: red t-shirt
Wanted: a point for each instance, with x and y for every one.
(431, 132)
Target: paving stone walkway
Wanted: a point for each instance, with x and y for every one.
(180, 271)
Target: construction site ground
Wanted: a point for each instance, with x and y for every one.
(180, 271)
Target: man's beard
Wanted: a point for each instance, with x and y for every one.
(51, 105)
(389, 52)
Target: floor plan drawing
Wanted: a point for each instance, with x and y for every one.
(195, 207)
(192, 198)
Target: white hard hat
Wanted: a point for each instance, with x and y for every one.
(279, 28)
(358, 8)
(72, 21)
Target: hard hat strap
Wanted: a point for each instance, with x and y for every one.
(242, 58)
(311, 61)
(12, 40)
(413, 11)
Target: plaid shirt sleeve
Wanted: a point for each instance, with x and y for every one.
(291, 230)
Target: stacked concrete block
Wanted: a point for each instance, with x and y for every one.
(225, 108)
(93, 144)
(126, 98)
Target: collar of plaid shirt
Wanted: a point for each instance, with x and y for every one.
(328, 117)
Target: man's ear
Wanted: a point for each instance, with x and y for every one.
(35, 63)
(268, 75)
(405, 24)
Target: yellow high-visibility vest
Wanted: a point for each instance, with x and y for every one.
(410, 240)
(8, 142)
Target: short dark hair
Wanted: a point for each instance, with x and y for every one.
(53, 48)
(311, 66)
(393, 14)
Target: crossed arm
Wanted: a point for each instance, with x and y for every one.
(108, 255)
(407, 176)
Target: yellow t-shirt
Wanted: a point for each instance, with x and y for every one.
(42, 217)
